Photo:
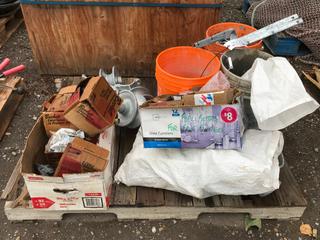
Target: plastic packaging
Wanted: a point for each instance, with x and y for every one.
(218, 82)
(61, 138)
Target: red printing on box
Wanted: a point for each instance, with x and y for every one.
(74, 97)
(93, 194)
(35, 178)
(41, 202)
(108, 201)
(69, 165)
(95, 119)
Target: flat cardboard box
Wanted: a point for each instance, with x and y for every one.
(93, 107)
(192, 99)
(84, 191)
(193, 121)
(52, 114)
(81, 156)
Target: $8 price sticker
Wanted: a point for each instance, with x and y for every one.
(229, 114)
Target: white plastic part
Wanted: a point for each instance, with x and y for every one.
(203, 173)
(278, 97)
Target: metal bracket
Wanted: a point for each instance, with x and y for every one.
(265, 32)
(219, 37)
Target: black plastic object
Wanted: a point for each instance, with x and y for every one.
(2, 2)
(7, 8)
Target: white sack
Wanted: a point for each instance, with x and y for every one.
(204, 173)
(278, 97)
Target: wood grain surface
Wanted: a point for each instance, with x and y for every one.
(71, 40)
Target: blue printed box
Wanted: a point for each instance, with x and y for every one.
(192, 126)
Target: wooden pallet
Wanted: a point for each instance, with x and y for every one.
(8, 25)
(9, 102)
(148, 203)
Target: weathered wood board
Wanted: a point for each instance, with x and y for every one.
(8, 25)
(9, 103)
(129, 37)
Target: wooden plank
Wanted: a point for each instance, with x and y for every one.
(315, 82)
(9, 26)
(149, 197)
(8, 111)
(6, 92)
(177, 199)
(139, 34)
(199, 202)
(231, 201)
(116, 150)
(124, 195)
(289, 193)
(21, 199)
(7, 18)
(155, 213)
(13, 181)
(216, 201)
(292, 207)
(152, 1)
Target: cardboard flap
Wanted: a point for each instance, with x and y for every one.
(59, 102)
(34, 148)
(39, 178)
(82, 177)
(87, 92)
(102, 97)
(46, 104)
(191, 99)
(89, 147)
(68, 89)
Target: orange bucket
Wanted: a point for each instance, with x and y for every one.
(179, 69)
(241, 30)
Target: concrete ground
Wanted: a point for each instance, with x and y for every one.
(301, 151)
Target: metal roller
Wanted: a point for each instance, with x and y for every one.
(113, 78)
(132, 94)
(128, 110)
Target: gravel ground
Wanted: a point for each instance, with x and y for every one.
(301, 151)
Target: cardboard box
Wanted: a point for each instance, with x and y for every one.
(72, 191)
(81, 156)
(53, 110)
(191, 99)
(93, 107)
(193, 121)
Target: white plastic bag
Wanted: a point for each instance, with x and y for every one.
(61, 138)
(278, 97)
(203, 173)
